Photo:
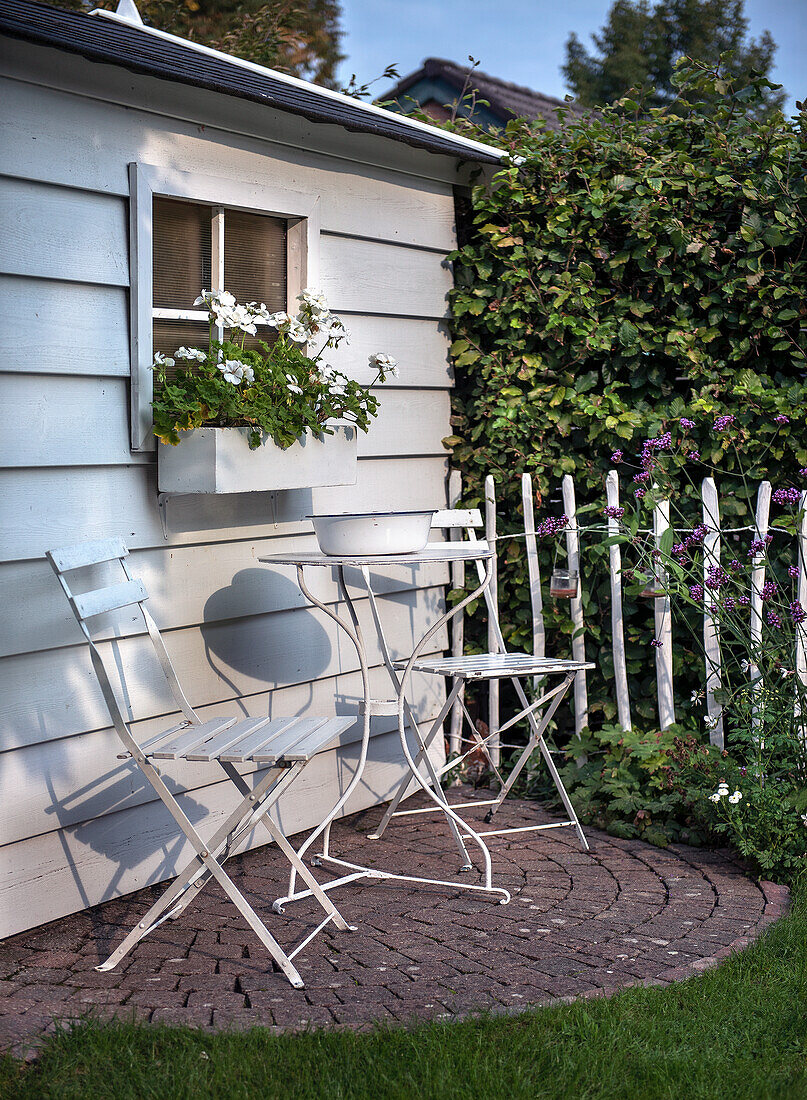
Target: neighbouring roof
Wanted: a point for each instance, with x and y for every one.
(117, 40)
(506, 100)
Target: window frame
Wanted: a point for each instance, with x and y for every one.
(299, 211)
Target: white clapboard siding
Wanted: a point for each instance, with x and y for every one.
(374, 277)
(87, 144)
(711, 630)
(53, 327)
(224, 121)
(42, 508)
(43, 430)
(61, 233)
(98, 343)
(55, 694)
(76, 779)
(420, 347)
(48, 876)
(187, 586)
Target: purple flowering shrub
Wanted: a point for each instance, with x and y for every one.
(757, 793)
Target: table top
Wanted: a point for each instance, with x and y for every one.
(433, 552)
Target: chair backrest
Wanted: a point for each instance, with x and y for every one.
(111, 597)
(467, 520)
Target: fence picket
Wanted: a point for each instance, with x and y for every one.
(578, 636)
(458, 622)
(534, 572)
(493, 641)
(663, 623)
(617, 628)
(801, 596)
(711, 634)
(761, 520)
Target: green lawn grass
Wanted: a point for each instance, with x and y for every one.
(735, 1032)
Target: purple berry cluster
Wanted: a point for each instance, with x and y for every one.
(774, 620)
(768, 591)
(797, 612)
(793, 571)
(781, 419)
(613, 512)
(716, 578)
(686, 423)
(787, 496)
(551, 527)
(696, 591)
(759, 546)
(723, 422)
(617, 456)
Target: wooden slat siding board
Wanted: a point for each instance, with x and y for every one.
(533, 572)
(663, 624)
(69, 869)
(98, 343)
(366, 276)
(77, 779)
(45, 136)
(711, 634)
(617, 625)
(59, 233)
(458, 622)
(187, 586)
(180, 110)
(759, 561)
(55, 694)
(493, 641)
(576, 604)
(421, 348)
(43, 429)
(47, 507)
(801, 596)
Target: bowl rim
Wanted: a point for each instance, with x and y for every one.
(373, 515)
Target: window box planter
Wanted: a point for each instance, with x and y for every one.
(219, 460)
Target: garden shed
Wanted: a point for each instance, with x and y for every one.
(124, 150)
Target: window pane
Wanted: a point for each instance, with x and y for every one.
(170, 335)
(182, 233)
(255, 258)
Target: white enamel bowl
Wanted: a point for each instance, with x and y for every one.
(372, 533)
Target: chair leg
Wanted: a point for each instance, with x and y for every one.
(205, 865)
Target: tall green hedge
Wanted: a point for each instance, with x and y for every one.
(621, 272)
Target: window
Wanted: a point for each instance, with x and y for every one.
(197, 247)
(190, 233)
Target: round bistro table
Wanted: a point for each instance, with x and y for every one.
(395, 705)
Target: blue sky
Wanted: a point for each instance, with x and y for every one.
(523, 40)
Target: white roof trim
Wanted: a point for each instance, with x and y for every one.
(324, 93)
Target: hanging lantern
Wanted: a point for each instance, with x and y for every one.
(563, 585)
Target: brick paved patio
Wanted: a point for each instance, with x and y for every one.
(579, 924)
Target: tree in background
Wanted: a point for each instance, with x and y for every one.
(299, 37)
(640, 45)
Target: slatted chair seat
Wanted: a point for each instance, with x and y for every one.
(489, 666)
(279, 747)
(495, 665)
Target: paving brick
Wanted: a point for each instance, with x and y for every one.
(579, 925)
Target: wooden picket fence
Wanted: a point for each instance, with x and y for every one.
(712, 547)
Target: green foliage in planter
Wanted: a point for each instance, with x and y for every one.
(620, 271)
(278, 390)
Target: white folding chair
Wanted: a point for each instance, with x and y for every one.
(282, 745)
(498, 664)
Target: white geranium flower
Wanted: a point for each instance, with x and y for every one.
(723, 789)
(735, 798)
(191, 353)
(161, 360)
(384, 363)
(314, 303)
(804, 820)
(236, 372)
(295, 331)
(204, 298)
(714, 797)
(277, 319)
(710, 722)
